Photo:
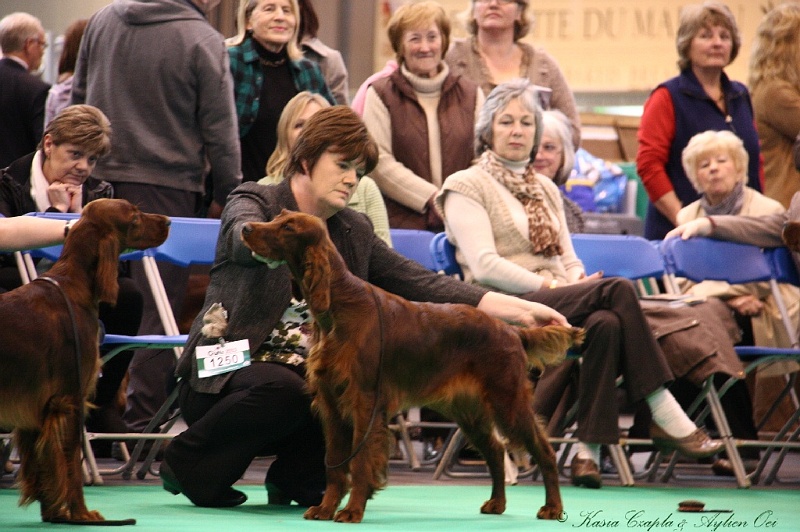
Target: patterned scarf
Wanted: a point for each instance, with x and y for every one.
(527, 189)
(732, 204)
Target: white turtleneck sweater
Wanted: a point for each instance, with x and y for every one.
(397, 181)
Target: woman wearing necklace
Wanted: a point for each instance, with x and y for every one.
(495, 54)
(268, 70)
(701, 97)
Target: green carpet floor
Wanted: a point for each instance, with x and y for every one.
(440, 508)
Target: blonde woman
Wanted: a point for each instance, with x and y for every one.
(268, 69)
(775, 87)
(367, 197)
(716, 164)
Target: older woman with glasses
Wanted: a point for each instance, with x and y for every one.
(508, 226)
(494, 53)
(422, 117)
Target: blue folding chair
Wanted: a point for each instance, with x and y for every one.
(413, 244)
(191, 241)
(700, 259)
(444, 258)
(443, 255)
(629, 256)
(115, 342)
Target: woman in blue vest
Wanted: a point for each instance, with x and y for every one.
(700, 98)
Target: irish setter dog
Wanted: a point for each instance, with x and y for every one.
(47, 374)
(376, 352)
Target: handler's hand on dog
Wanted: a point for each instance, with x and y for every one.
(520, 312)
(698, 227)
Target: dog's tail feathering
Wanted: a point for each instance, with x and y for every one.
(547, 346)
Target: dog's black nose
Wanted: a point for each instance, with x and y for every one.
(247, 228)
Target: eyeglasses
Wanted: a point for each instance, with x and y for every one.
(41, 42)
(500, 2)
(550, 148)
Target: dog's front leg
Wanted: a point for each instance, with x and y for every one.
(369, 463)
(338, 442)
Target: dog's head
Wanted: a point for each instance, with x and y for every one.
(301, 241)
(114, 225)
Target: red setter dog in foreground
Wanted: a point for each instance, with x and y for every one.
(377, 352)
(46, 373)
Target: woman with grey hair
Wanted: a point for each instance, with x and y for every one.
(495, 53)
(507, 223)
(701, 97)
(556, 159)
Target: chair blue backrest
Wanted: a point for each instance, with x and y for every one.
(413, 244)
(190, 241)
(443, 254)
(629, 256)
(783, 266)
(701, 259)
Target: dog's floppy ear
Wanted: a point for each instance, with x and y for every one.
(107, 269)
(317, 278)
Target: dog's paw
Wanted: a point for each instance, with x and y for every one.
(318, 513)
(550, 512)
(349, 515)
(494, 506)
(791, 235)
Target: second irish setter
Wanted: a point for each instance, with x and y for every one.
(47, 373)
(377, 352)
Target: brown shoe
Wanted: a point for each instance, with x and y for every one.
(698, 444)
(724, 468)
(584, 472)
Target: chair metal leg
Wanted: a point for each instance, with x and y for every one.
(401, 425)
(724, 429)
(451, 447)
(620, 460)
(91, 472)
